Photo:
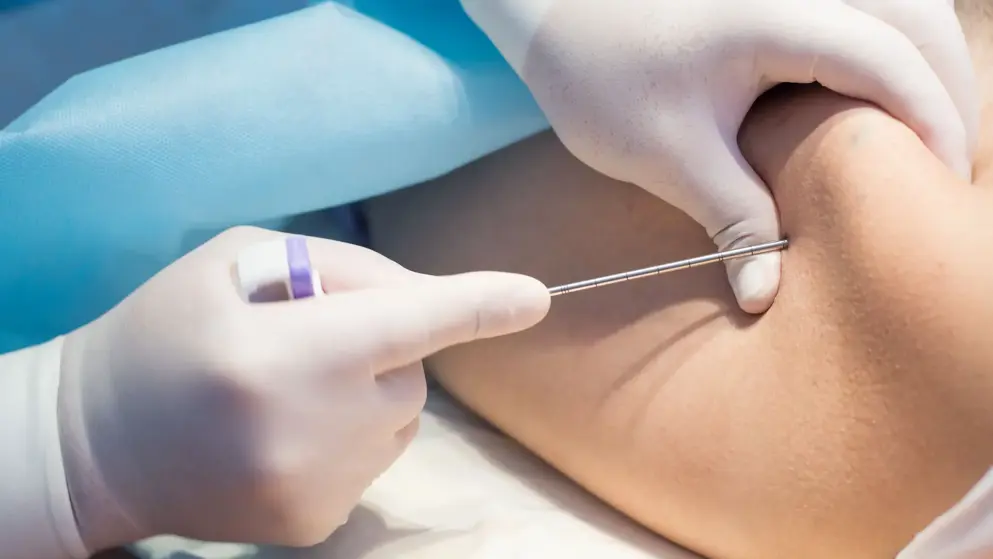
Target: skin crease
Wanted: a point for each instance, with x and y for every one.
(839, 424)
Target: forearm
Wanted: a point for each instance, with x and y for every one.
(37, 515)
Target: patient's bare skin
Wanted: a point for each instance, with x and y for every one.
(837, 425)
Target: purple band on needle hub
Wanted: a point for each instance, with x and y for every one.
(301, 274)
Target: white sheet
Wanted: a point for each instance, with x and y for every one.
(462, 491)
(465, 491)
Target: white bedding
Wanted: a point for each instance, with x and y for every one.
(462, 491)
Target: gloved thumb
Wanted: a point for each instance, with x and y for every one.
(391, 327)
(737, 209)
(755, 280)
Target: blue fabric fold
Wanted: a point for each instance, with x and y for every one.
(124, 168)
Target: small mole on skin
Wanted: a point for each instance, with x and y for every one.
(858, 136)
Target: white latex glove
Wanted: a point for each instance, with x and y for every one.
(653, 92)
(186, 410)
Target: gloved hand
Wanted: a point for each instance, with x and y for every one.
(653, 92)
(185, 410)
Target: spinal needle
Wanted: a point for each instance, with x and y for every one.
(670, 267)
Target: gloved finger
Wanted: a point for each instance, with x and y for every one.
(406, 435)
(394, 446)
(344, 266)
(340, 264)
(284, 266)
(401, 394)
(934, 28)
(860, 56)
(228, 243)
(378, 330)
(737, 210)
(754, 280)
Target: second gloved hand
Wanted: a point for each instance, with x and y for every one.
(653, 92)
(186, 410)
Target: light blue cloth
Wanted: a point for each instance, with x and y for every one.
(45, 42)
(122, 169)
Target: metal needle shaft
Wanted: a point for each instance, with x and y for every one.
(670, 267)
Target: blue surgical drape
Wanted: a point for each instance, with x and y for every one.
(123, 168)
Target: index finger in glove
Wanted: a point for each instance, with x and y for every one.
(377, 330)
(934, 28)
(855, 54)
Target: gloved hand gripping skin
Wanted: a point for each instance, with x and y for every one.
(653, 92)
